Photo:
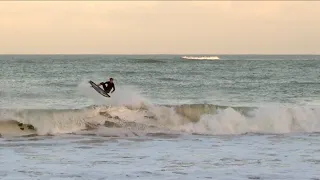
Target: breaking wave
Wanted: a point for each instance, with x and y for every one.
(139, 121)
(201, 57)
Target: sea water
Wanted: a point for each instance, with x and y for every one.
(171, 117)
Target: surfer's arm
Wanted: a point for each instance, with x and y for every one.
(101, 83)
(114, 88)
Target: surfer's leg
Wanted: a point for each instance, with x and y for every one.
(105, 88)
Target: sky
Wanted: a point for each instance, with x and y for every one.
(159, 27)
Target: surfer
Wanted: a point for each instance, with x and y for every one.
(108, 88)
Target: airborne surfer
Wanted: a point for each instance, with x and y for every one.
(108, 88)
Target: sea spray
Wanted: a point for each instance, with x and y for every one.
(123, 96)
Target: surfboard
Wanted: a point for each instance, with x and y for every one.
(98, 89)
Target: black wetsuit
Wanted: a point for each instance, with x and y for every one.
(108, 88)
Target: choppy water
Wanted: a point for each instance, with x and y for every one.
(223, 117)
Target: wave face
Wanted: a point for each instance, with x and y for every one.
(195, 118)
(201, 57)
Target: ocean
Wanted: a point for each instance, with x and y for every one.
(170, 117)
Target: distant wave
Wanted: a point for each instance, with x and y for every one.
(149, 60)
(194, 118)
(201, 57)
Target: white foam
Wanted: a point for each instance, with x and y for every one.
(201, 57)
(126, 96)
(263, 120)
(126, 105)
(274, 119)
(58, 122)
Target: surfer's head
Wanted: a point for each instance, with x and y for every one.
(111, 79)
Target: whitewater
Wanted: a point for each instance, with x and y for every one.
(200, 119)
(241, 117)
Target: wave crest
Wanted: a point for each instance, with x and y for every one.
(275, 120)
(193, 118)
(201, 57)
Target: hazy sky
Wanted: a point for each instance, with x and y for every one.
(159, 27)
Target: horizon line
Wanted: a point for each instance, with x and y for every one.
(135, 54)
